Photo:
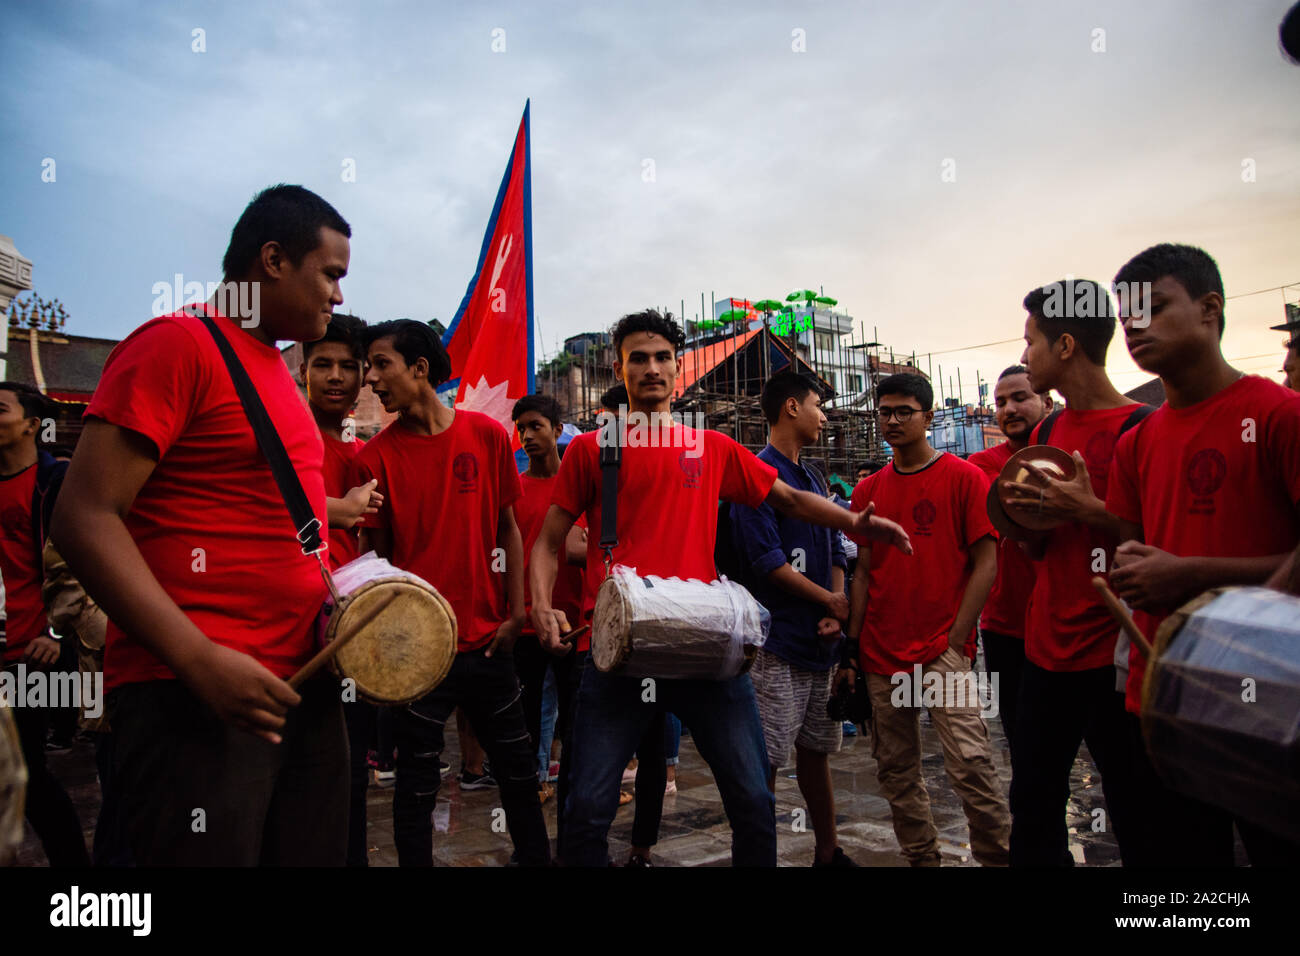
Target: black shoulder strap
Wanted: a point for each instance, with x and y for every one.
(295, 499)
(1139, 413)
(611, 456)
(1045, 429)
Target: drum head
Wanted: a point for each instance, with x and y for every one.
(403, 653)
(610, 627)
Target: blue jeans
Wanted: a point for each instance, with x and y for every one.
(611, 720)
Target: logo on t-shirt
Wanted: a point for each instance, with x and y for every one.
(465, 468)
(1098, 453)
(692, 467)
(923, 513)
(1205, 474)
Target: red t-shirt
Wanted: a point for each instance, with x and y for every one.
(530, 512)
(667, 501)
(1067, 627)
(443, 496)
(1004, 611)
(336, 467)
(913, 601)
(209, 521)
(23, 573)
(1201, 481)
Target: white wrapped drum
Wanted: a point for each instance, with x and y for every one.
(670, 628)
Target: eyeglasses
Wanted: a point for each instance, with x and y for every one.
(901, 412)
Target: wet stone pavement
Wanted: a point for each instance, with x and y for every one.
(694, 830)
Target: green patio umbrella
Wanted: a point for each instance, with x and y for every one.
(767, 305)
(826, 300)
(803, 295)
(734, 315)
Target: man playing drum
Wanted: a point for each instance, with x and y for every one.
(172, 520)
(669, 483)
(449, 482)
(1205, 492)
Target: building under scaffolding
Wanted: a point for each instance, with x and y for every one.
(722, 378)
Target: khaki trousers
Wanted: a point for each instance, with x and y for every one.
(967, 758)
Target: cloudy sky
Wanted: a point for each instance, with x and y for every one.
(792, 146)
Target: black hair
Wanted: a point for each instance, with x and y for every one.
(1013, 370)
(910, 384)
(544, 405)
(781, 387)
(1192, 268)
(1080, 307)
(413, 340)
(290, 215)
(614, 398)
(648, 321)
(343, 328)
(33, 402)
(873, 465)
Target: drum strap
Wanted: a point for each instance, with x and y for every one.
(268, 440)
(611, 456)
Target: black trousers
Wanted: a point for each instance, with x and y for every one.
(567, 681)
(192, 790)
(1176, 830)
(486, 689)
(361, 719)
(1005, 657)
(1057, 711)
(49, 808)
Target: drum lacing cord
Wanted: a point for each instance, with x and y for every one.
(329, 578)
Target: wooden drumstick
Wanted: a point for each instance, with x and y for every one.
(334, 646)
(1120, 613)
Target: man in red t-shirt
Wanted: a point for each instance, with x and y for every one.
(920, 632)
(1206, 493)
(450, 482)
(1068, 689)
(669, 483)
(172, 520)
(1002, 622)
(30, 478)
(331, 372)
(537, 420)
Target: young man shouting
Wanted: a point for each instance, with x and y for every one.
(796, 571)
(917, 619)
(1002, 622)
(172, 520)
(449, 483)
(669, 484)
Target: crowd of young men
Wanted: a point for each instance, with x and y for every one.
(171, 519)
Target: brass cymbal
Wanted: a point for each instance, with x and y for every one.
(1051, 460)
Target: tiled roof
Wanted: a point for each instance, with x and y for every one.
(70, 364)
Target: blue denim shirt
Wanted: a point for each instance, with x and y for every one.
(766, 540)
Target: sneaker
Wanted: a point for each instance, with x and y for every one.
(443, 767)
(671, 788)
(638, 862)
(839, 859)
(476, 781)
(384, 777)
(850, 729)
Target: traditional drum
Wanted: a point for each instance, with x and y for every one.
(407, 648)
(1221, 704)
(13, 787)
(670, 628)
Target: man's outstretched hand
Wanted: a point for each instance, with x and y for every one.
(867, 524)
